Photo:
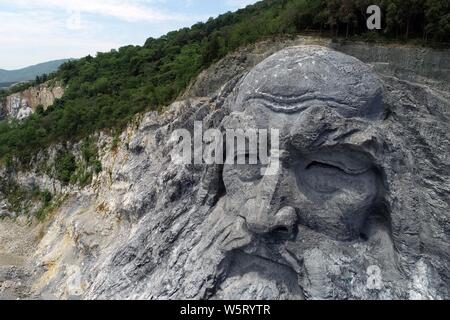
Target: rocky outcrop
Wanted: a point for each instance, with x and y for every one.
(21, 105)
(358, 208)
(421, 65)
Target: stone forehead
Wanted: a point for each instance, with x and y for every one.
(298, 78)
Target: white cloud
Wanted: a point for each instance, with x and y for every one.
(29, 37)
(126, 10)
(74, 21)
(38, 30)
(239, 3)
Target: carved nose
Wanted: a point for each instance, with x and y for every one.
(284, 220)
(260, 214)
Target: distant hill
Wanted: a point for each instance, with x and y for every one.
(5, 85)
(29, 73)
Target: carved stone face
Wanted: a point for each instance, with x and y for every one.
(327, 186)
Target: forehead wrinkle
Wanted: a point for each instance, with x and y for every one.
(308, 95)
(290, 105)
(311, 76)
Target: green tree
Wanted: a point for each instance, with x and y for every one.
(347, 14)
(437, 13)
(65, 166)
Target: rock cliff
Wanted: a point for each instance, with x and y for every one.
(20, 105)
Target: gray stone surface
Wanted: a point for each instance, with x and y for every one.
(358, 209)
(297, 79)
(426, 66)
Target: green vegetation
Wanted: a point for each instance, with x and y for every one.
(45, 197)
(69, 170)
(65, 166)
(49, 206)
(89, 152)
(23, 200)
(17, 197)
(6, 84)
(105, 92)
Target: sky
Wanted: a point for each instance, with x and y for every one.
(35, 31)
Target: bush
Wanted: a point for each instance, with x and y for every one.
(46, 197)
(65, 166)
(97, 166)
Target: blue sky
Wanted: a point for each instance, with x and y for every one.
(34, 31)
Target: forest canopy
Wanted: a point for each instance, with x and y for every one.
(106, 91)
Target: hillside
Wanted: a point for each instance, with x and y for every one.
(105, 92)
(8, 77)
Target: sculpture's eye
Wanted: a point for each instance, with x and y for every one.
(324, 178)
(329, 172)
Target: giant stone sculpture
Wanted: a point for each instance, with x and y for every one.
(339, 219)
(327, 186)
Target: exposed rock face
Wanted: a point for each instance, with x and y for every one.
(21, 105)
(358, 207)
(421, 65)
(424, 65)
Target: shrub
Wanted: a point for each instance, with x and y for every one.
(65, 166)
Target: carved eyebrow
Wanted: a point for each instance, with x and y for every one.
(348, 160)
(347, 134)
(334, 135)
(292, 104)
(343, 166)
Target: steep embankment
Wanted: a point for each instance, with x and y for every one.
(418, 64)
(22, 104)
(139, 226)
